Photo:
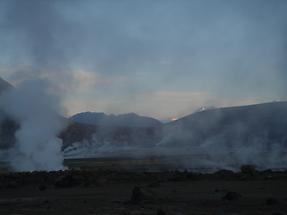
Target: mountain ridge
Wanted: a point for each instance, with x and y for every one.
(266, 122)
(128, 119)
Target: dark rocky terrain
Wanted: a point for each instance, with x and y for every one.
(115, 192)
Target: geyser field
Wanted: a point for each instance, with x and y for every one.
(143, 107)
(215, 161)
(130, 175)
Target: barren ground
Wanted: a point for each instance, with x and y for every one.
(96, 191)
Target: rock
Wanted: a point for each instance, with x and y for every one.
(232, 196)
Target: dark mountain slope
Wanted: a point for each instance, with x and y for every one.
(233, 125)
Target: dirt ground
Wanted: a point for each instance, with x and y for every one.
(119, 192)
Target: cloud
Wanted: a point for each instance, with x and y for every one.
(159, 104)
(232, 50)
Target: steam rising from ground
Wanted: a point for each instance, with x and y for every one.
(213, 156)
(36, 109)
(211, 44)
(35, 102)
(219, 138)
(207, 157)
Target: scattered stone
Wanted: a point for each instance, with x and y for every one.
(232, 196)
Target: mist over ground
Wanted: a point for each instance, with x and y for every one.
(212, 139)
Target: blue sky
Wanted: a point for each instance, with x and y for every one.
(162, 58)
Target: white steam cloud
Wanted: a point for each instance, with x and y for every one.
(35, 108)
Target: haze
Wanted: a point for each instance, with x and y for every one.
(155, 57)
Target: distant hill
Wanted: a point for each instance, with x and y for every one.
(245, 125)
(111, 135)
(99, 129)
(257, 128)
(128, 120)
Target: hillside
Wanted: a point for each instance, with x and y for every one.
(90, 132)
(232, 125)
(113, 135)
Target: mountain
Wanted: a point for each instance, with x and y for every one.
(251, 127)
(128, 120)
(110, 135)
(245, 125)
(245, 130)
(90, 133)
(100, 129)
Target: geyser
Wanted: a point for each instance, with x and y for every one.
(36, 108)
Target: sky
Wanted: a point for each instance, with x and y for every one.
(161, 58)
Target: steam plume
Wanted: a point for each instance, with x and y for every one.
(35, 102)
(35, 108)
